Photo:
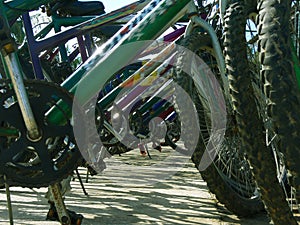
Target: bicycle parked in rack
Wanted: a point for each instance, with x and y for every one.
(38, 43)
(42, 129)
(258, 76)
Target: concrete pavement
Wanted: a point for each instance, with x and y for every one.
(181, 199)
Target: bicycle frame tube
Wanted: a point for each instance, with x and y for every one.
(146, 87)
(171, 116)
(119, 13)
(148, 24)
(296, 64)
(156, 98)
(144, 70)
(36, 46)
(15, 8)
(151, 22)
(9, 132)
(12, 67)
(297, 70)
(158, 112)
(95, 22)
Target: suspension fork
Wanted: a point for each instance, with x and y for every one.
(195, 21)
(12, 68)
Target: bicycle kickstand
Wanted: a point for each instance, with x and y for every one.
(8, 201)
(59, 204)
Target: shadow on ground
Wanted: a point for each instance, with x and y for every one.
(181, 199)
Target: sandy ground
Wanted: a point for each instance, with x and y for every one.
(183, 198)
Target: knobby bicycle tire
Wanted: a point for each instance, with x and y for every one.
(279, 79)
(225, 188)
(250, 124)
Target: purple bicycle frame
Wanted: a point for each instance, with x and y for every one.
(37, 46)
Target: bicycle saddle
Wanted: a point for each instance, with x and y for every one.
(77, 8)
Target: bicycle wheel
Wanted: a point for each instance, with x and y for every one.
(246, 99)
(280, 85)
(229, 176)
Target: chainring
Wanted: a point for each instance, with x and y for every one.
(39, 163)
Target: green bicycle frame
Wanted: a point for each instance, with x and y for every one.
(148, 24)
(296, 64)
(149, 28)
(58, 22)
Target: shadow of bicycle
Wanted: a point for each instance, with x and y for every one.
(183, 198)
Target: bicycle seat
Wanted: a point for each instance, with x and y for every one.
(86, 8)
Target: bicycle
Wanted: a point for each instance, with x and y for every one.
(35, 46)
(38, 43)
(24, 157)
(148, 24)
(253, 106)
